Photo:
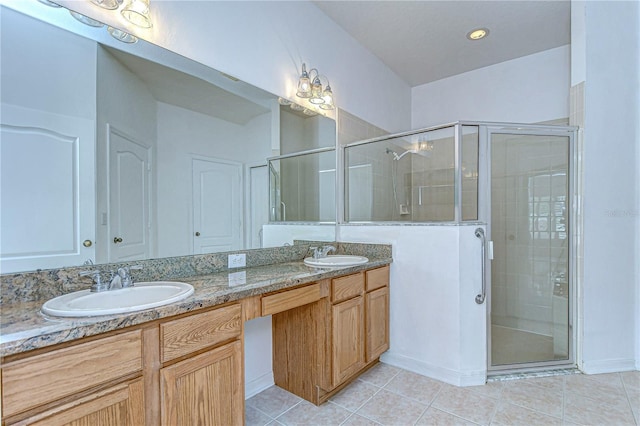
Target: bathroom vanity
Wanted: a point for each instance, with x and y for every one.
(185, 366)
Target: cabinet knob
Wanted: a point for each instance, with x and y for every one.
(117, 240)
(87, 243)
(197, 234)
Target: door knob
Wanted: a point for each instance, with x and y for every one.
(87, 243)
(117, 240)
(197, 234)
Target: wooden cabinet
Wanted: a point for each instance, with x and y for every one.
(320, 347)
(205, 390)
(122, 404)
(187, 370)
(60, 376)
(347, 339)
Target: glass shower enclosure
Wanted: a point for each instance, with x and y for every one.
(516, 179)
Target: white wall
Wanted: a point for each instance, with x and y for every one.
(265, 44)
(183, 134)
(437, 329)
(118, 87)
(530, 89)
(611, 187)
(51, 70)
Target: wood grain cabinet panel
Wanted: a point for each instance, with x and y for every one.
(207, 389)
(290, 299)
(347, 338)
(344, 288)
(50, 376)
(377, 278)
(377, 322)
(121, 405)
(189, 334)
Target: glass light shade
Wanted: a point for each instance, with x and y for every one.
(122, 36)
(49, 3)
(137, 12)
(108, 4)
(86, 20)
(304, 84)
(327, 97)
(316, 92)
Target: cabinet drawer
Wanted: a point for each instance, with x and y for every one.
(377, 278)
(280, 302)
(44, 378)
(344, 288)
(183, 336)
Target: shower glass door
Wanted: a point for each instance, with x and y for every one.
(529, 226)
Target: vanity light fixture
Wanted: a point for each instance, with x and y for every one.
(313, 90)
(49, 3)
(137, 12)
(122, 36)
(86, 20)
(478, 34)
(108, 4)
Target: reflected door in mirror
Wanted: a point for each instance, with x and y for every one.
(217, 206)
(129, 197)
(47, 193)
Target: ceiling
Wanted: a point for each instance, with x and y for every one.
(424, 41)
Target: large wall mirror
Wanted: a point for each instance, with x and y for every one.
(113, 152)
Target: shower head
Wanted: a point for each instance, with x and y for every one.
(398, 157)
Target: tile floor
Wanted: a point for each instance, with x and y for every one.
(387, 395)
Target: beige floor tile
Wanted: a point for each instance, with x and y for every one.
(435, 417)
(255, 417)
(389, 408)
(529, 395)
(586, 411)
(554, 383)
(380, 374)
(466, 404)
(306, 413)
(273, 401)
(514, 415)
(491, 389)
(355, 395)
(414, 386)
(356, 420)
(604, 389)
(631, 379)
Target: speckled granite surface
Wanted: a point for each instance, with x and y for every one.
(23, 327)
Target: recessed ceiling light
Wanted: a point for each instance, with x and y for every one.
(477, 34)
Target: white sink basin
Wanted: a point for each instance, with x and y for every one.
(142, 295)
(336, 261)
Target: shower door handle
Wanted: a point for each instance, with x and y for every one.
(480, 297)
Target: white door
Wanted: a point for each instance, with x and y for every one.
(259, 204)
(217, 206)
(129, 198)
(47, 218)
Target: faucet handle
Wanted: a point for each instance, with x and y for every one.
(96, 276)
(124, 272)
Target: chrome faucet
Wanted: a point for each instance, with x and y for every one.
(319, 252)
(120, 279)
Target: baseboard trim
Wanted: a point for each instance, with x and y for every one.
(608, 366)
(453, 377)
(258, 384)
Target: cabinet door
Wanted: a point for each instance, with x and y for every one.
(116, 406)
(377, 322)
(347, 338)
(207, 389)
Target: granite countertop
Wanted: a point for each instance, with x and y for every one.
(23, 327)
